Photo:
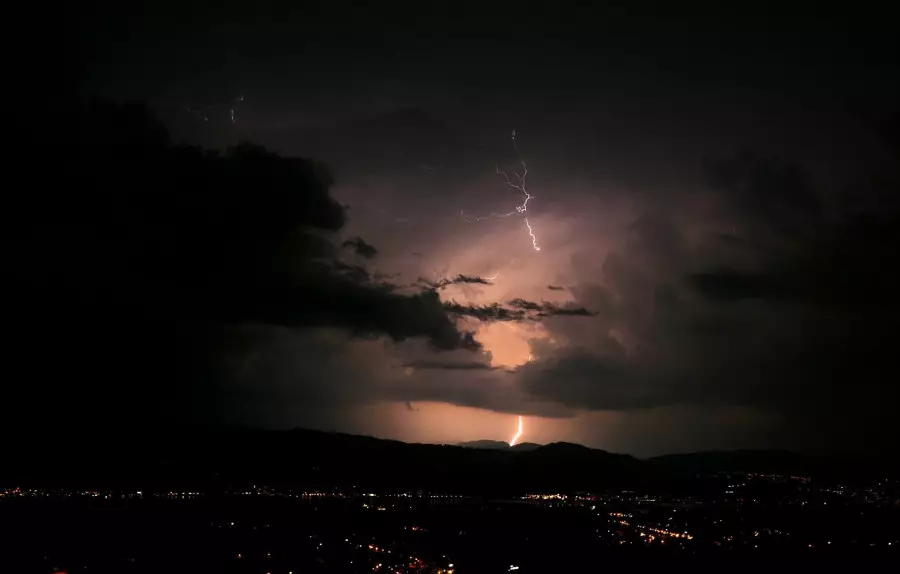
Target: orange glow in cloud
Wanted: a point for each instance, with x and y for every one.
(508, 347)
(509, 344)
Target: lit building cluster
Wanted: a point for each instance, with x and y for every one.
(559, 497)
(414, 531)
(11, 493)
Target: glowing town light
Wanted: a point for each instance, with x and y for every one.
(518, 434)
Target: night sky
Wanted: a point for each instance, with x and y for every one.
(713, 192)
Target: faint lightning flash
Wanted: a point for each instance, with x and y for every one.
(198, 113)
(204, 113)
(238, 99)
(518, 434)
(519, 185)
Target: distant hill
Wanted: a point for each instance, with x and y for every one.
(488, 444)
(327, 460)
(500, 445)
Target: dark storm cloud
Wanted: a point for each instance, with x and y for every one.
(545, 309)
(361, 248)
(525, 305)
(803, 329)
(551, 310)
(451, 366)
(768, 193)
(515, 310)
(373, 310)
(595, 381)
(458, 280)
(490, 312)
(725, 285)
(153, 247)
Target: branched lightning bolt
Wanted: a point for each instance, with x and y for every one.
(519, 185)
(477, 218)
(531, 233)
(518, 435)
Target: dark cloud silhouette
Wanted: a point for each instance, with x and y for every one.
(545, 309)
(525, 305)
(361, 248)
(458, 280)
(550, 310)
(800, 330)
(515, 310)
(555, 288)
(450, 366)
(151, 248)
(490, 312)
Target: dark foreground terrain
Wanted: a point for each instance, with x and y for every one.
(340, 513)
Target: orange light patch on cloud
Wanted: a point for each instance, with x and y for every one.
(508, 344)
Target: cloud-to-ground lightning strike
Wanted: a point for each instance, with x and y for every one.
(518, 435)
(531, 233)
(521, 187)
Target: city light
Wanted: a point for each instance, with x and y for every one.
(628, 518)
